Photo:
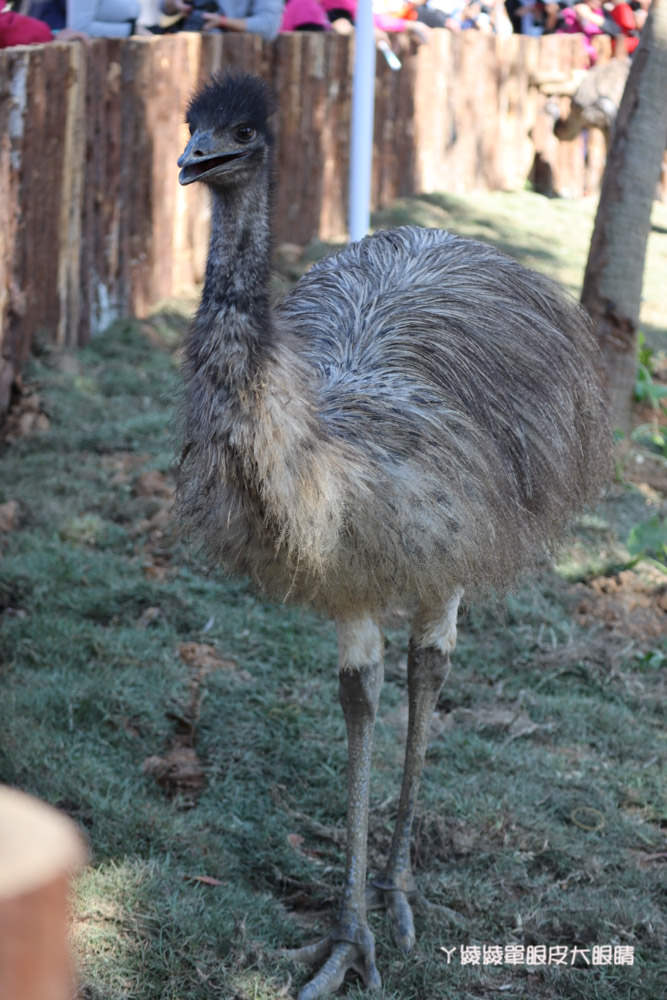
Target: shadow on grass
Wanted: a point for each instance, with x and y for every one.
(461, 216)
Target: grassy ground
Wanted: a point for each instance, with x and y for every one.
(194, 732)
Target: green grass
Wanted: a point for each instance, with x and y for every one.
(541, 814)
(550, 235)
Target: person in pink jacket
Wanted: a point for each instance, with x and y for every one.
(320, 15)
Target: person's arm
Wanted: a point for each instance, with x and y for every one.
(213, 21)
(70, 35)
(172, 7)
(587, 15)
(102, 18)
(263, 19)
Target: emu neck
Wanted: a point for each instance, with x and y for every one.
(237, 269)
(232, 329)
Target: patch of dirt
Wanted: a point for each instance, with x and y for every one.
(633, 602)
(647, 471)
(26, 414)
(154, 484)
(203, 658)
(9, 516)
(179, 771)
(157, 531)
(122, 465)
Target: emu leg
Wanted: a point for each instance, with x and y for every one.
(428, 666)
(351, 945)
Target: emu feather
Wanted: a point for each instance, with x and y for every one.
(427, 411)
(420, 415)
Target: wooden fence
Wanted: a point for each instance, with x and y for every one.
(93, 223)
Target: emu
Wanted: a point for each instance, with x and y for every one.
(595, 96)
(420, 415)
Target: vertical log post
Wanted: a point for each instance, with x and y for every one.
(39, 850)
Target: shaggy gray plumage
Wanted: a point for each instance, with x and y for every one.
(455, 393)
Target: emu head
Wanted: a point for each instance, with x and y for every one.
(230, 136)
(601, 114)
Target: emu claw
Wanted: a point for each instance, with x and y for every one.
(395, 900)
(343, 955)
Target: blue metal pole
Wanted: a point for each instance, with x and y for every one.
(361, 136)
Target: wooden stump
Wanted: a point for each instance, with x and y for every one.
(39, 850)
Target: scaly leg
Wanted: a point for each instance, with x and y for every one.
(428, 665)
(351, 945)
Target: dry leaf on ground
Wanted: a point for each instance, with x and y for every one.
(155, 571)
(122, 465)
(155, 525)
(179, 771)
(204, 879)
(296, 841)
(148, 616)
(204, 658)
(26, 415)
(9, 515)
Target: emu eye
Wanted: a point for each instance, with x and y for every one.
(244, 133)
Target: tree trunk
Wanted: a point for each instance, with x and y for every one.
(615, 268)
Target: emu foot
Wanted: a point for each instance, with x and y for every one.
(394, 894)
(344, 950)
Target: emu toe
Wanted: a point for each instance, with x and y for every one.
(396, 902)
(401, 920)
(341, 957)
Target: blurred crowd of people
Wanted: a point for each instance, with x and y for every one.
(620, 19)
(33, 21)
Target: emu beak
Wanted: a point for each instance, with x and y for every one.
(203, 156)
